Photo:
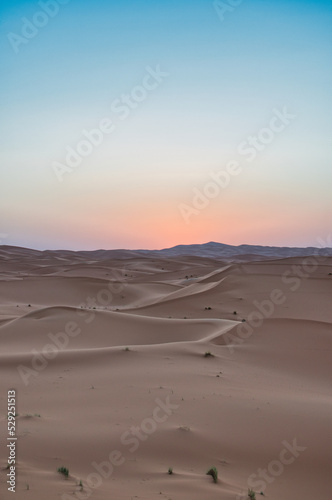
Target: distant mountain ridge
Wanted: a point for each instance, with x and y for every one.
(212, 250)
(222, 250)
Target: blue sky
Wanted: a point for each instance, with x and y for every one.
(225, 79)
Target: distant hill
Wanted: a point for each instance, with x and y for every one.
(211, 250)
(220, 250)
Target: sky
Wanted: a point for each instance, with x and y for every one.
(147, 124)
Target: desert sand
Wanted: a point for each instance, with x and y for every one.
(129, 364)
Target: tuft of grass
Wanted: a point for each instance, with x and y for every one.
(126, 349)
(80, 484)
(251, 494)
(208, 354)
(234, 312)
(64, 471)
(214, 473)
(208, 308)
(170, 470)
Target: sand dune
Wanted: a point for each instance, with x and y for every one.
(109, 351)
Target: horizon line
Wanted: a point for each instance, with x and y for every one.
(165, 248)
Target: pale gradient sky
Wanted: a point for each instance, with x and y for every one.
(224, 81)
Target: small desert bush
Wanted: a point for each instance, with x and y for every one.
(251, 494)
(208, 354)
(214, 473)
(64, 471)
(170, 470)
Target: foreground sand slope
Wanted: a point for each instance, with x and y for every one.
(130, 380)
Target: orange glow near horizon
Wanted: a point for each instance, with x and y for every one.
(137, 226)
(114, 214)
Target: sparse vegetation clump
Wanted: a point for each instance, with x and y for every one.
(208, 354)
(64, 471)
(170, 470)
(214, 473)
(251, 494)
